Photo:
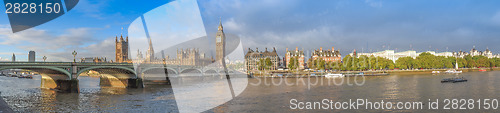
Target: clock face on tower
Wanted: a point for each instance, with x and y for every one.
(219, 39)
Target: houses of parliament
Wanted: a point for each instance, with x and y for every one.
(189, 56)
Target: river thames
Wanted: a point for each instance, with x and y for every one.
(260, 95)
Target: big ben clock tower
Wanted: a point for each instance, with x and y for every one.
(220, 45)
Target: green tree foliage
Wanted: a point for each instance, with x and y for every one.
(429, 61)
(293, 63)
(365, 63)
(268, 63)
(261, 64)
(405, 63)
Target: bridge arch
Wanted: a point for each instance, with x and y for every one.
(211, 71)
(126, 69)
(191, 70)
(167, 68)
(40, 68)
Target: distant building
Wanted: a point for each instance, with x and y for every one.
(299, 55)
(121, 50)
(327, 56)
(475, 52)
(391, 55)
(13, 57)
(192, 57)
(252, 59)
(93, 59)
(31, 56)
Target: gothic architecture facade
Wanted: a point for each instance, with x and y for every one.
(252, 59)
(121, 51)
(220, 45)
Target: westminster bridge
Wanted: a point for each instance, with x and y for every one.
(64, 75)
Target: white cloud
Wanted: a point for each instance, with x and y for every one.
(58, 47)
(496, 18)
(232, 25)
(3, 59)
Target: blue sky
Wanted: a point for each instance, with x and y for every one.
(367, 25)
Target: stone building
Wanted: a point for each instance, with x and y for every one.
(392, 55)
(190, 57)
(475, 52)
(93, 59)
(299, 55)
(252, 59)
(121, 50)
(328, 55)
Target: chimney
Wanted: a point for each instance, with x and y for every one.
(333, 49)
(320, 48)
(287, 49)
(296, 48)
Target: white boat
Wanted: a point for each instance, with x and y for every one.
(436, 72)
(453, 71)
(330, 75)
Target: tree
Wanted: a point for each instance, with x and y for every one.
(261, 64)
(405, 63)
(268, 63)
(291, 63)
(310, 63)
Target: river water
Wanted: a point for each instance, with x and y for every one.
(260, 95)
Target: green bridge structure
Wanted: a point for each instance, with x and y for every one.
(63, 76)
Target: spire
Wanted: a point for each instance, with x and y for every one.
(220, 24)
(121, 38)
(116, 38)
(127, 39)
(150, 52)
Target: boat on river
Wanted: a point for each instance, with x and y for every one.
(454, 80)
(453, 71)
(331, 75)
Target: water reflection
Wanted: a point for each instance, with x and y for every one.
(25, 95)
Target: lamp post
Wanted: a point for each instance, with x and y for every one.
(74, 55)
(44, 58)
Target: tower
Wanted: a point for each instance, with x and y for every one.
(31, 56)
(220, 44)
(13, 57)
(150, 54)
(121, 49)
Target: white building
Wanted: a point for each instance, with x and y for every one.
(475, 52)
(391, 55)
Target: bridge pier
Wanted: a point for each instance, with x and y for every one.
(135, 83)
(70, 86)
(125, 83)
